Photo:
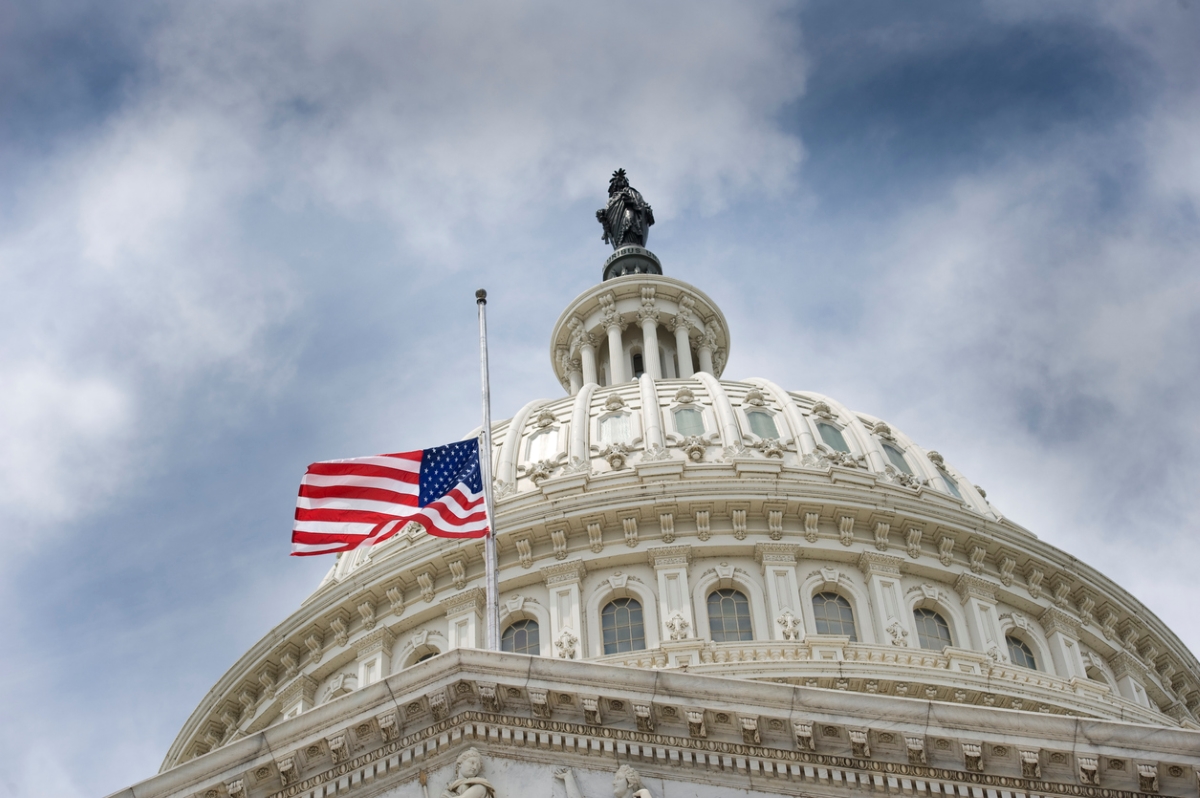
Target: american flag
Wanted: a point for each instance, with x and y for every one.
(345, 504)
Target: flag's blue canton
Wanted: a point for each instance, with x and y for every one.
(443, 467)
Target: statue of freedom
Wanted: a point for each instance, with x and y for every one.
(627, 217)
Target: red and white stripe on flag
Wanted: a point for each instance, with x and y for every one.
(346, 504)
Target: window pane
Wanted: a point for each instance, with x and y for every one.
(689, 421)
(897, 458)
(932, 630)
(834, 616)
(621, 623)
(1020, 653)
(542, 445)
(615, 429)
(762, 425)
(951, 485)
(521, 638)
(833, 437)
(639, 365)
(729, 616)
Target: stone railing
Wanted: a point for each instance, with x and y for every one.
(953, 675)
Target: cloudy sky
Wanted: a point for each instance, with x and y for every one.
(236, 238)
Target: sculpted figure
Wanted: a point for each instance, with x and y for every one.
(626, 783)
(627, 217)
(467, 781)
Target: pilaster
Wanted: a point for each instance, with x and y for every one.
(670, 564)
(979, 599)
(778, 561)
(464, 615)
(1062, 634)
(892, 624)
(566, 618)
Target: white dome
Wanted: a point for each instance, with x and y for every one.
(662, 494)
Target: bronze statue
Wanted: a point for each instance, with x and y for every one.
(627, 217)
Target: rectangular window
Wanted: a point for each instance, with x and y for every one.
(689, 421)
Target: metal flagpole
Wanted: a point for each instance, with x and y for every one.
(485, 468)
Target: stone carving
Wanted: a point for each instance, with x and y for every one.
(538, 471)
(315, 642)
(1033, 577)
(236, 789)
(775, 524)
(458, 573)
(595, 536)
(287, 770)
(693, 446)
(946, 550)
(645, 717)
(859, 746)
(559, 538)
(846, 530)
(750, 735)
(898, 634)
(826, 458)
(823, 410)
(614, 402)
(881, 535)
(591, 710)
(978, 554)
(617, 454)
(1089, 770)
(810, 526)
(916, 749)
(425, 580)
(1031, 767)
(678, 626)
(684, 396)
(703, 530)
(738, 518)
(395, 596)
(737, 450)
(341, 633)
(897, 477)
(631, 531)
(566, 644)
(655, 452)
(627, 217)
(666, 523)
(883, 431)
(627, 783)
(468, 781)
(577, 465)
(973, 757)
(524, 552)
(912, 540)
(696, 728)
(770, 447)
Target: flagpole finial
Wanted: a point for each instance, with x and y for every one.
(481, 296)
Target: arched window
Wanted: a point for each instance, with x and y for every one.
(834, 615)
(639, 365)
(430, 655)
(542, 445)
(1020, 653)
(615, 429)
(729, 616)
(897, 458)
(951, 485)
(932, 630)
(761, 424)
(521, 637)
(622, 625)
(832, 437)
(689, 421)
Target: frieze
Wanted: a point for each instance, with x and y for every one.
(497, 728)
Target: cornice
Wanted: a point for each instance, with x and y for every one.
(470, 600)
(564, 573)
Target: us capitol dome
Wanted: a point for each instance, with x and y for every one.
(707, 586)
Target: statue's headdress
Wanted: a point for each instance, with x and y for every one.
(618, 181)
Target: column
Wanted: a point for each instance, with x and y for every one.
(683, 347)
(649, 321)
(464, 613)
(778, 561)
(566, 617)
(979, 598)
(675, 619)
(708, 343)
(1062, 633)
(587, 357)
(575, 375)
(616, 351)
(892, 623)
